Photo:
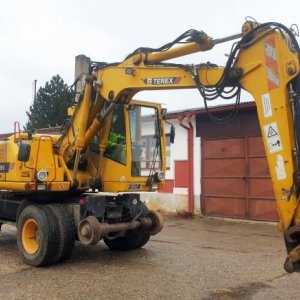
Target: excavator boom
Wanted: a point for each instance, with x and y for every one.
(101, 149)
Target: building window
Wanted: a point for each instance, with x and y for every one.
(148, 147)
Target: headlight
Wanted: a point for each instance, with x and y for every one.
(42, 175)
(160, 176)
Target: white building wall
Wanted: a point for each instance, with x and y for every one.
(178, 149)
(166, 202)
(197, 169)
(178, 200)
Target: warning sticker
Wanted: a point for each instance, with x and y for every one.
(273, 137)
(279, 168)
(266, 104)
(271, 132)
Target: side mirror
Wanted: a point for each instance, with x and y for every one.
(24, 152)
(172, 134)
(164, 113)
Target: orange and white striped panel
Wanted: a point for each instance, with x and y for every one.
(271, 64)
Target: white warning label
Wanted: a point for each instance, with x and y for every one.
(266, 104)
(273, 137)
(279, 168)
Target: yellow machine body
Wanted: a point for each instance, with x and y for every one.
(21, 176)
(94, 153)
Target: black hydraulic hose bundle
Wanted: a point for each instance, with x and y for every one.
(218, 90)
(296, 110)
(191, 35)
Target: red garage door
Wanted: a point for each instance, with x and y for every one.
(236, 181)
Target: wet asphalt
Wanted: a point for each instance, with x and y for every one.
(195, 258)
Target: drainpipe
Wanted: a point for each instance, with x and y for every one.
(190, 148)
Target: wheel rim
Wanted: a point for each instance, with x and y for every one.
(30, 236)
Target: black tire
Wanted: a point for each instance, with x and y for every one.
(66, 231)
(39, 222)
(128, 242)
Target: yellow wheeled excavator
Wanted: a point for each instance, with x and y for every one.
(87, 181)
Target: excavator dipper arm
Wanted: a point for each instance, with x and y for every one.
(265, 62)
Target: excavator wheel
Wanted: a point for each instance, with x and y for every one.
(37, 235)
(128, 242)
(289, 265)
(66, 231)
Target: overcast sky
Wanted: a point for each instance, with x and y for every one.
(39, 39)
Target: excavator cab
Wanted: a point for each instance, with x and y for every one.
(135, 148)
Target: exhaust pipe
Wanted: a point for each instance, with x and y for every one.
(91, 231)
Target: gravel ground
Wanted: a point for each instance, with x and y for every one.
(190, 259)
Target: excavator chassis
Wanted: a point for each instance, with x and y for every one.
(46, 232)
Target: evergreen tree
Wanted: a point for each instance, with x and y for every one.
(49, 108)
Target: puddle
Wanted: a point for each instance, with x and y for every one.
(236, 293)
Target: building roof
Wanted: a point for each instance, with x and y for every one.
(214, 109)
(170, 115)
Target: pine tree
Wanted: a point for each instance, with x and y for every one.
(49, 108)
